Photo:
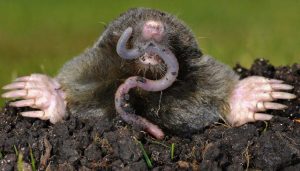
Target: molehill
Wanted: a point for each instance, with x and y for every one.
(98, 144)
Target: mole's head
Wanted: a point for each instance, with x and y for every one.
(141, 28)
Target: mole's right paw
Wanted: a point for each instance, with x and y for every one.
(254, 95)
(40, 92)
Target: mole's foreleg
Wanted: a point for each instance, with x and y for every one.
(40, 92)
(253, 95)
(121, 95)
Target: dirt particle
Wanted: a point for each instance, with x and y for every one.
(141, 79)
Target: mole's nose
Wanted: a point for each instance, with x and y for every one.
(153, 30)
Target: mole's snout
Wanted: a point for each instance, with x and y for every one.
(148, 48)
(153, 30)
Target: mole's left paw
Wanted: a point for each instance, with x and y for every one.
(40, 92)
(253, 95)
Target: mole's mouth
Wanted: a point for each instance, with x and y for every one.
(150, 58)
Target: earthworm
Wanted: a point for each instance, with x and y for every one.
(121, 96)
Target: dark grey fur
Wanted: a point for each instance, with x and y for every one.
(198, 98)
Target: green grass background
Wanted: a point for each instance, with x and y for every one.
(39, 36)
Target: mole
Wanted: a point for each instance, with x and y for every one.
(147, 67)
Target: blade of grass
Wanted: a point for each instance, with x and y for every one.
(157, 142)
(32, 159)
(20, 162)
(266, 126)
(172, 150)
(16, 150)
(148, 161)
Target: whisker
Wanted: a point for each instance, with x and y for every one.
(122, 63)
(138, 71)
(145, 70)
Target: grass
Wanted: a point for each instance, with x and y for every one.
(20, 163)
(40, 36)
(32, 160)
(16, 150)
(266, 127)
(146, 157)
(172, 150)
(157, 142)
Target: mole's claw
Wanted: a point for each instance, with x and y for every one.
(281, 87)
(261, 116)
(275, 81)
(25, 78)
(275, 106)
(282, 95)
(23, 103)
(15, 94)
(14, 85)
(262, 106)
(35, 114)
(25, 93)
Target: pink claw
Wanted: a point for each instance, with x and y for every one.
(25, 78)
(262, 117)
(15, 94)
(262, 106)
(14, 85)
(23, 103)
(282, 95)
(35, 114)
(275, 81)
(282, 87)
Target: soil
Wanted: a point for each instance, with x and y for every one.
(99, 144)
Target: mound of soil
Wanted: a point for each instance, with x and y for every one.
(99, 144)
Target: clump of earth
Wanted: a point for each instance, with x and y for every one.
(100, 144)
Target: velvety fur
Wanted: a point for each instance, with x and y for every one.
(198, 98)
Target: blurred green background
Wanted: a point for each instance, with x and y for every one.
(40, 36)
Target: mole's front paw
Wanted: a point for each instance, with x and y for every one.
(253, 95)
(40, 92)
